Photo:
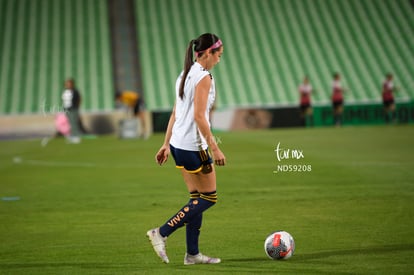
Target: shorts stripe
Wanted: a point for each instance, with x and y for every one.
(191, 161)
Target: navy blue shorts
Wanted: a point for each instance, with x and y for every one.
(192, 161)
(337, 104)
(388, 103)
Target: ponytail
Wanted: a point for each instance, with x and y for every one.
(188, 62)
(201, 44)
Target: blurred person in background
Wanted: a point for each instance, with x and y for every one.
(337, 99)
(134, 103)
(388, 90)
(306, 112)
(71, 100)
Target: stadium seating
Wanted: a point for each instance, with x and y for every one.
(269, 46)
(44, 42)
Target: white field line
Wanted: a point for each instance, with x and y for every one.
(53, 163)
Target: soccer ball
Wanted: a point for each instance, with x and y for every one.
(279, 245)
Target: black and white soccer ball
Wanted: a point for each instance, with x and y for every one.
(279, 245)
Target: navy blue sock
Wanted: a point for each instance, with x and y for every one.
(192, 234)
(191, 210)
(193, 229)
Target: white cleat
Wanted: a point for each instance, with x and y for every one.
(158, 243)
(73, 140)
(199, 259)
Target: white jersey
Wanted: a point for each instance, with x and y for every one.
(305, 88)
(185, 132)
(67, 98)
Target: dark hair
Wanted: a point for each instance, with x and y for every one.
(71, 81)
(199, 45)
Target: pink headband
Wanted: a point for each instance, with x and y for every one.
(216, 45)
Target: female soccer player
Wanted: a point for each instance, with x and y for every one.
(388, 91)
(305, 90)
(189, 138)
(337, 99)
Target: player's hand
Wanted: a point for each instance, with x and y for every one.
(162, 156)
(219, 158)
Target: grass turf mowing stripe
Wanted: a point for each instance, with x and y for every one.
(352, 214)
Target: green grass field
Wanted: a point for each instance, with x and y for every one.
(85, 209)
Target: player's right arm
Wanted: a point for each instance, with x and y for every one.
(162, 155)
